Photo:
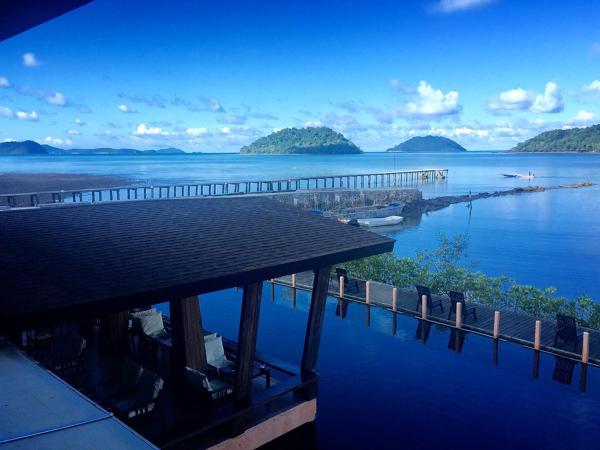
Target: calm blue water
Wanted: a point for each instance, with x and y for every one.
(541, 239)
(383, 391)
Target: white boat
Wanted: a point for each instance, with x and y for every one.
(380, 221)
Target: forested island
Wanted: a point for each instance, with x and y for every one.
(33, 148)
(294, 141)
(578, 140)
(428, 144)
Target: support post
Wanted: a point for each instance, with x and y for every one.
(368, 292)
(459, 315)
(341, 287)
(247, 341)
(188, 339)
(113, 332)
(538, 332)
(294, 280)
(394, 299)
(316, 315)
(496, 324)
(585, 347)
(424, 307)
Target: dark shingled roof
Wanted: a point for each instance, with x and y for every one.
(70, 260)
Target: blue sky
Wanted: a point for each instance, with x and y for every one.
(215, 76)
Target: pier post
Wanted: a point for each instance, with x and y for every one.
(538, 332)
(585, 347)
(294, 280)
(341, 287)
(394, 299)
(496, 324)
(368, 292)
(459, 315)
(424, 307)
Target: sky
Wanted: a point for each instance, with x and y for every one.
(214, 76)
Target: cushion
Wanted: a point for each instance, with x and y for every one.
(151, 324)
(197, 378)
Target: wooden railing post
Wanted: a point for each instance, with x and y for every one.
(294, 280)
(341, 287)
(368, 292)
(394, 299)
(538, 332)
(424, 307)
(459, 315)
(585, 347)
(496, 324)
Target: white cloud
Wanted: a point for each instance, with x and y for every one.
(79, 122)
(432, 102)
(522, 100)
(550, 101)
(143, 130)
(5, 112)
(467, 131)
(225, 130)
(57, 141)
(514, 99)
(450, 6)
(585, 116)
(594, 86)
(196, 131)
(4, 82)
(73, 132)
(29, 60)
(56, 99)
(23, 115)
(125, 108)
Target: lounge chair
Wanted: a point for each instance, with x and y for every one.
(343, 273)
(215, 353)
(456, 297)
(423, 290)
(566, 330)
(143, 398)
(216, 388)
(149, 323)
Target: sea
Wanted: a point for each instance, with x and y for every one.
(384, 386)
(543, 239)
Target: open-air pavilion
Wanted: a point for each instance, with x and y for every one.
(92, 266)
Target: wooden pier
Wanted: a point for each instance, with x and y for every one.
(139, 192)
(514, 326)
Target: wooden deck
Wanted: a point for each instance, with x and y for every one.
(514, 326)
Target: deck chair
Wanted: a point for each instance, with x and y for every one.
(423, 290)
(143, 399)
(216, 389)
(343, 273)
(566, 330)
(215, 353)
(456, 297)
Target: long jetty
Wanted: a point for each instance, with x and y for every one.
(138, 192)
(509, 325)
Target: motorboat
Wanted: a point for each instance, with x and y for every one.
(380, 221)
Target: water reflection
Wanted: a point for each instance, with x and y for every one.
(456, 340)
(563, 370)
(341, 309)
(423, 330)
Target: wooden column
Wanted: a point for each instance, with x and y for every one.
(188, 337)
(113, 332)
(247, 341)
(316, 315)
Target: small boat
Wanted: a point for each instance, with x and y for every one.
(511, 175)
(530, 176)
(380, 221)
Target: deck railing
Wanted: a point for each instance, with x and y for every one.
(138, 192)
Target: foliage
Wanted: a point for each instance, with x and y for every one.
(312, 140)
(570, 140)
(447, 268)
(428, 144)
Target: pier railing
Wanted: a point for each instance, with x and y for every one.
(138, 192)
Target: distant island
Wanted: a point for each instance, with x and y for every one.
(428, 144)
(294, 141)
(33, 148)
(579, 140)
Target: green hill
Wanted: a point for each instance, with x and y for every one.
(33, 148)
(580, 140)
(311, 140)
(428, 144)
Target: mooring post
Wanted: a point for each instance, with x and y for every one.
(585, 347)
(294, 280)
(459, 315)
(368, 292)
(538, 332)
(341, 287)
(496, 324)
(394, 299)
(424, 307)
